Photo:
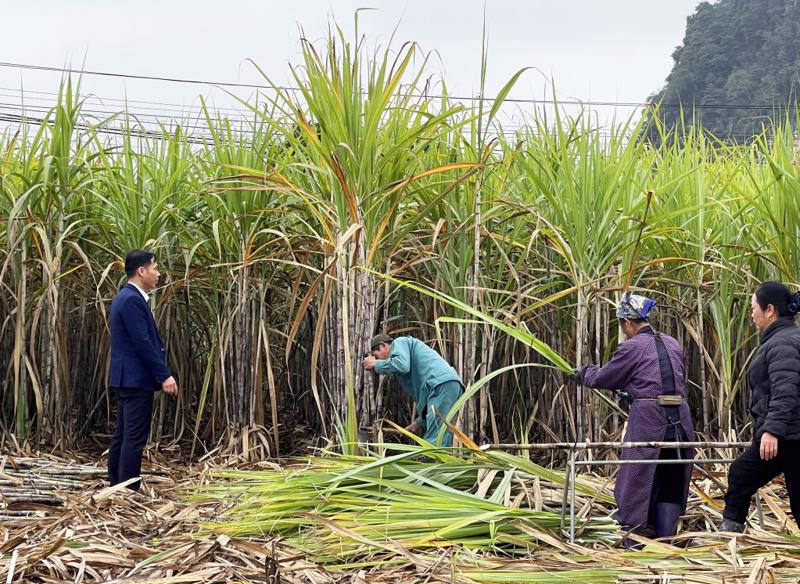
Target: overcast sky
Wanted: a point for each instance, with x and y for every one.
(602, 50)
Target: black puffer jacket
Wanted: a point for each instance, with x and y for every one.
(774, 377)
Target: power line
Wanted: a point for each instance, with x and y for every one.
(243, 117)
(143, 77)
(245, 122)
(246, 116)
(162, 106)
(17, 114)
(242, 126)
(193, 134)
(108, 130)
(587, 103)
(140, 118)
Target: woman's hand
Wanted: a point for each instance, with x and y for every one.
(576, 375)
(769, 446)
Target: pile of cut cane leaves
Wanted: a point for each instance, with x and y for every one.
(481, 517)
(95, 533)
(342, 509)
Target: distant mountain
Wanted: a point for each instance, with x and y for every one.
(739, 64)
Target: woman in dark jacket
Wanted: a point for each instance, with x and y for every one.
(774, 378)
(650, 366)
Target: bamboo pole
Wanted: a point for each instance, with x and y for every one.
(597, 445)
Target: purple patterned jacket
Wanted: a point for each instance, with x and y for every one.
(634, 367)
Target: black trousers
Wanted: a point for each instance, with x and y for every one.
(134, 411)
(668, 484)
(749, 473)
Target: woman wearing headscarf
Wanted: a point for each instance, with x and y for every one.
(774, 378)
(649, 366)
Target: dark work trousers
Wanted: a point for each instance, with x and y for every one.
(749, 473)
(670, 479)
(669, 482)
(134, 410)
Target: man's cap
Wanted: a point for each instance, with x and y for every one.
(378, 339)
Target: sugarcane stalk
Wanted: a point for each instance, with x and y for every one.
(21, 498)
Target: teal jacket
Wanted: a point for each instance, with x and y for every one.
(419, 369)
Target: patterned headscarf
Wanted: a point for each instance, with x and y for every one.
(634, 307)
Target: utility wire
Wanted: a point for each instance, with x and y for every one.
(107, 130)
(589, 103)
(50, 96)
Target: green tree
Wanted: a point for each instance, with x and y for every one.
(738, 65)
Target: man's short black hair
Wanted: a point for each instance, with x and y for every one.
(137, 258)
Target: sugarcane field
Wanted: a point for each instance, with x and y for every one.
(368, 311)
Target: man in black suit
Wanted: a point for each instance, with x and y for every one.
(138, 367)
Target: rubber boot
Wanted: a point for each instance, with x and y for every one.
(731, 525)
(666, 519)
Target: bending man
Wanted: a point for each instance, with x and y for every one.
(424, 375)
